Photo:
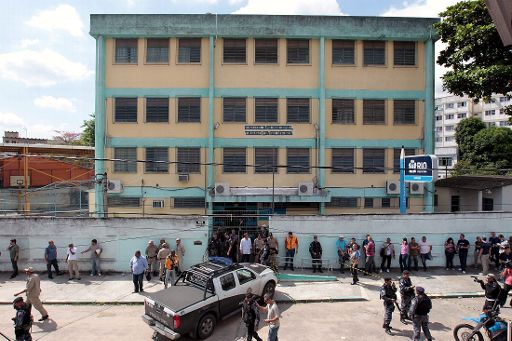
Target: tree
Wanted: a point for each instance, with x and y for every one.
(87, 136)
(66, 137)
(465, 132)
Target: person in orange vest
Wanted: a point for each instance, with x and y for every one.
(292, 245)
(171, 265)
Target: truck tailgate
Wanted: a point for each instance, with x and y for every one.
(177, 297)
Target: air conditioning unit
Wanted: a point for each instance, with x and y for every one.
(392, 187)
(18, 181)
(416, 188)
(183, 177)
(222, 188)
(114, 186)
(305, 188)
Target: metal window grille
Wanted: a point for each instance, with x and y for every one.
(343, 52)
(157, 51)
(189, 160)
(368, 202)
(297, 51)
(297, 160)
(297, 110)
(404, 112)
(157, 110)
(396, 157)
(404, 53)
(158, 204)
(385, 202)
(343, 160)
(188, 202)
(265, 110)
(189, 50)
(265, 160)
(157, 159)
(117, 201)
(125, 110)
(234, 109)
(129, 157)
(343, 202)
(374, 160)
(265, 51)
(189, 109)
(374, 53)
(126, 51)
(374, 112)
(343, 111)
(234, 160)
(234, 51)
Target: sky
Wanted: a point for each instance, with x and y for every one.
(47, 57)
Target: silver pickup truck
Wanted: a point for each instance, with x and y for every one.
(203, 295)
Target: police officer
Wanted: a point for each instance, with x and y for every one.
(22, 320)
(388, 295)
(315, 249)
(251, 316)
(406, 295)
(420, 307)
(492, 291)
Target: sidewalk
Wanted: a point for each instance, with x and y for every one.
(117, 288)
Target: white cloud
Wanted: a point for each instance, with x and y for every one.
(311, 7)
(57, 103)
(439, 71)
(64, 17)
(28, 43)
(419, 8)
(11, 121)
(41, 68)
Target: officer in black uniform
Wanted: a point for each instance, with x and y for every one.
(315, 249)
(420, 307)
(406, 295)
(492, 291)
(22, 320)
(388, 295)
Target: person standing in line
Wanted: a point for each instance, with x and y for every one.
(387, 252)
(418, 313)
(495, 250)
(462, 249)
(355, 255)
(507, 276)
(14, 253)
(246, 248)
(425, 252)
(404, 255)
(138, 266)
(370, 256)
(50, 256)
(273, 316)
(22, 320)
(151, 256)
(478, 246)
(232, 244)
(414, 250)
(258, 245)
(485, 252)
(273, 245)
(363, 248)
(214, 246)
(180, 252)
(264, 231)
(72, 260)
(171, 264)
(95, 251)
(251, 316)
(315, 250)
(406, 295)
(33, 290)
(161, 244)
(388, 295)
(162, 256)
(341, 249)
(449, 252)
(291, 244)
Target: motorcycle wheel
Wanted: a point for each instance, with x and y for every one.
(462, 332)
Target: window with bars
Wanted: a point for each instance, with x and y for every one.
(158, 203)
(374, 53)
(297, 51)
(396, 157)
(157, 160)
(234, 109)
(189, 160)
(404, 53)
(342, 202)
(234, 160)
(343, 111)
(297, 160)
(125, 110)
(343, 52)
(404, 112)
(266, 160)
(157, 110)
(297, 110)
(189, 109)
(265, 110)
(385, 202)
(342, 160)
(188, 202)
(126, 51)
(374, 160)
(265, 51)
(368, 202)
(234, 51)
(189, 50)
(374, 112)
(117, 201)
(157, 51)
(127, 157)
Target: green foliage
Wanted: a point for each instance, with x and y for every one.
(493, 145)
(464, 133)
(87, 136)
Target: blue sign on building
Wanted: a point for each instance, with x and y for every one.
(421, 168)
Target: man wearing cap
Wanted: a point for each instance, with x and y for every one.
(315, 250)
(162, 255)
(50, 256)
(418, 313)
(22, 320)
(406, 295)
(341, 249)
(33, 290)
(180, 252)
(14, 253)
(151, 253)
(388, 295)
(492, 291)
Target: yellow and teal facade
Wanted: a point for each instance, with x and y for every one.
(298, 114)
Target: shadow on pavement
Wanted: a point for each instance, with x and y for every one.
(438, 326)
(45, 326)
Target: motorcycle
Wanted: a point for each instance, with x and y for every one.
(489, 321)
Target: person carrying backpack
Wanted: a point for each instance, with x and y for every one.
(418, 313)
(251, 316)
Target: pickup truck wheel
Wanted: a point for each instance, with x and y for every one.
(206, 326)
(269, 288)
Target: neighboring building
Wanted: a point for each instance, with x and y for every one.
(474, 193)
(14, 137)
(300, 114)
(450, 110)
(501, 13)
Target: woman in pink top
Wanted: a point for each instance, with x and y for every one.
(507, 276)
(404, 255)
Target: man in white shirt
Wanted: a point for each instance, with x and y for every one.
(273, 315)
(425, 251)
(246, 248)
(72, 260)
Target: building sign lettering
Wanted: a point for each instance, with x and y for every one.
(268, 130)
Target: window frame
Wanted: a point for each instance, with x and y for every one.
(232, 282)
(343, 111)
(147, 54)
(130, 60)
(237, 165)
(146, 109)
(337, 58)
(233, 119)
(190, 166)
(266, 40)
(266, 106)
(230, 56)
(299, 118)
(403, 50)
(292, 168)
(130, 167)
(371, 104)
(193, 202)
(190, 48)
(111, 201)
(260, 168)
(373, 169)
(372, 46)
(190, 112)
(299, 53)
(154, 168)
(246, 279)
(117, 101)
(401, 114)
(342, 169)
(343, 202)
